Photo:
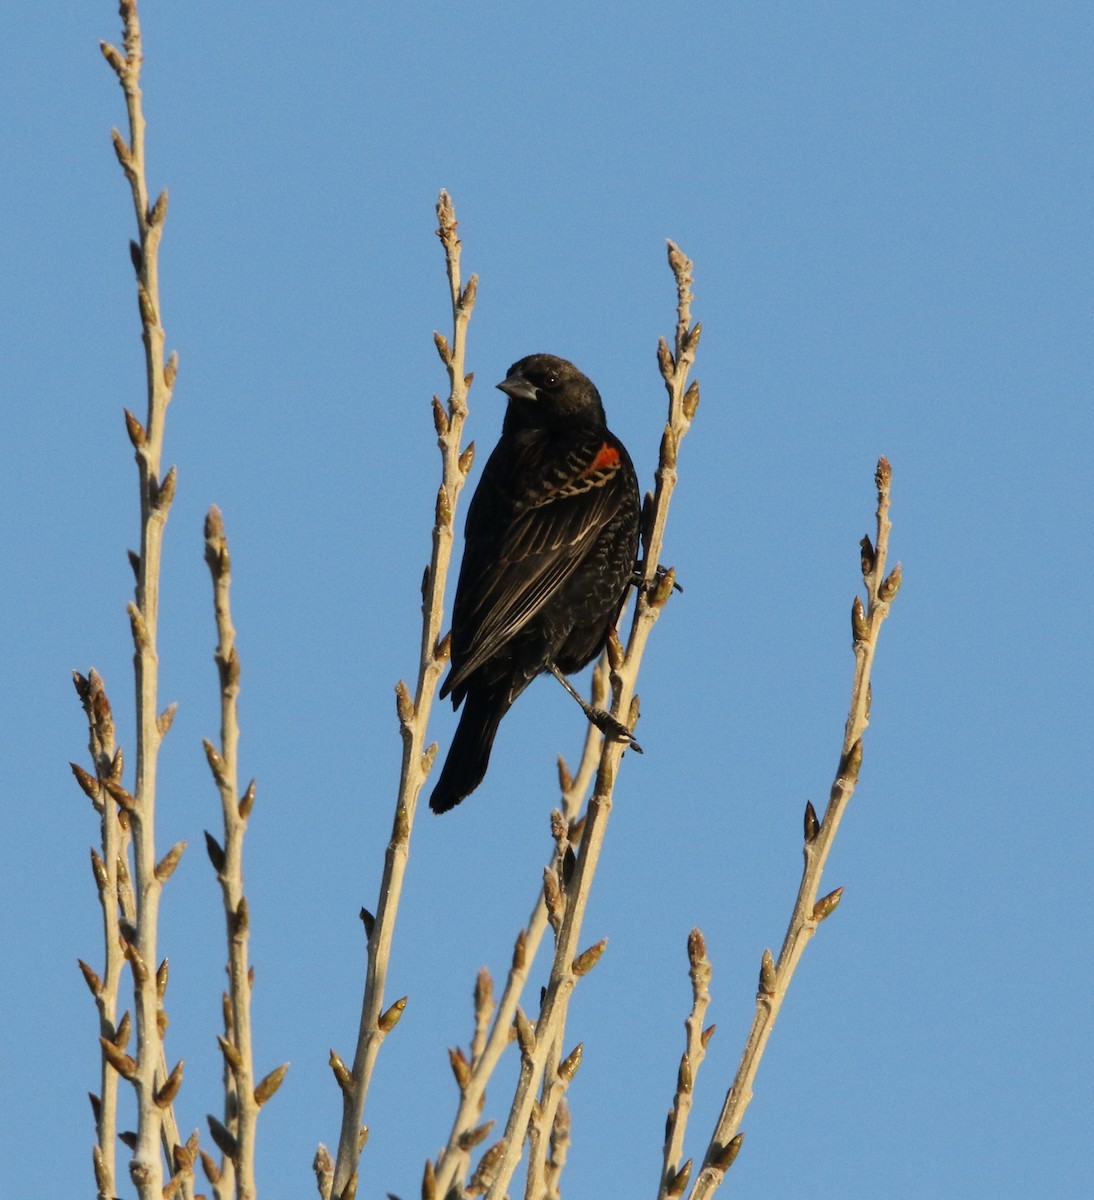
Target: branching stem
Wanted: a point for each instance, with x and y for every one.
(653, 593)
(808, 911)
(154, 1086)
(235, 1177)
(413, 713)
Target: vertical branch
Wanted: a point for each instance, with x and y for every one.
(106, 758)
(674, 1176)
(493, 1033)
(653, 592)
(549, 1127)
(808, 912)
(413, 713)
(154, 1088)
(235, 1136)
(559, 1151)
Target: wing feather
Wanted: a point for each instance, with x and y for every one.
(521, 545)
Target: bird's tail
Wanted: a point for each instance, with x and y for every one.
(469, 754)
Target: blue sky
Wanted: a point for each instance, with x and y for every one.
(888, 207)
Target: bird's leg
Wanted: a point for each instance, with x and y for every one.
(612, 729)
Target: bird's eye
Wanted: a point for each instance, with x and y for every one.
(550, 380)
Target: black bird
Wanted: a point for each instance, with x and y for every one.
(549, 548)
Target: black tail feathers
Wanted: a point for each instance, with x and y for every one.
(469, 754)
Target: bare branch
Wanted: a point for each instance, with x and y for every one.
(694, 1053)
(137, 902)
(808, 911)
(236, 1173)
(414, 713)
(115, 835)
(652, 595)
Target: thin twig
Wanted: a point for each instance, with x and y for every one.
(809, 911)
(473, 1075)
(653, 592)
(235, 1175)
(413, 716)
(559, 1150)
(155, 1087)
(494, 1028)
(549, 1128)
(674, 1175)
(106, 759)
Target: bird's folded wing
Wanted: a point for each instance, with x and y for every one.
(503, 588)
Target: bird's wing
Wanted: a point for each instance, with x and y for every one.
(524, 539)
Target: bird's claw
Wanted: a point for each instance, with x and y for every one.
(638, 580)
(613, 729)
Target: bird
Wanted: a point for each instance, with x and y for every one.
(550, 546)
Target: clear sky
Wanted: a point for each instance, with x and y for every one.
(888, 207)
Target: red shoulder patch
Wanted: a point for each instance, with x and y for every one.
(601, 467)
(606, 457)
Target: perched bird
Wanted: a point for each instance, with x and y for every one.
(550, 546)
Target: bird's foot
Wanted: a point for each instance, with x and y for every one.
(638, 580)
(613, 729)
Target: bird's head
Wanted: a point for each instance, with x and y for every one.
(546, 391)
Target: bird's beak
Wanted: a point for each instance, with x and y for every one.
(517, 388)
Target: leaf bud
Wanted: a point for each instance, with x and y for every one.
(851, 763)
(588, 959)
(679, 1182)
(684, 1076)
(404, 705)
(724, 1158)
(114, 57)
(461, 1068)
(467, 296)
(697, 947)
(165, 868)
(768, 976)
(168, 1090)
(440, 417)
(525, 1033)
(474, 1137)
(520, 950)
(90, 785)
(826, 905)
(341, 1072)
(615, 650)
(890, 585)
(135, 430)
(231, 1053)
(215, 852)
(665, 360)
(812, 825)
(225, 1142)
(166, 718)
(860, 627)
(567, 1069)
(869, 559)
(691, 400)
(269, 1084)
(390, 1018)
(443, 508)
(91, 978)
